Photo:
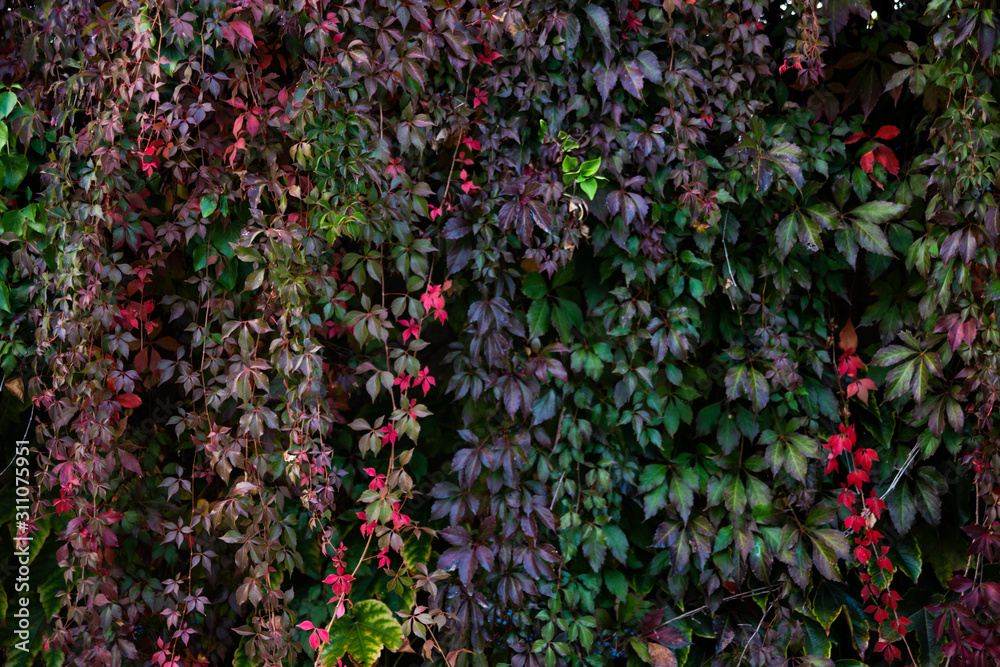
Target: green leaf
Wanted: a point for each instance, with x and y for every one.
(241, 659)
(209, 203)
(871, 237)
(248, 254)
(908, 558)
(362, 632)
(595, 547)
(930, 653)
(589, 167)
(824, 214)
(8, 101)
(944, 548)
(538, 317)
(616, 583)
(682, 496)
(736, 496)
(830, 601)
(877, 212)
(255, 280)
(902, 508)
(589, 187)
(817, 643)
(200, 257)
(828, 546)
(565, 315)
(786, 234)
(5, 297)
(228, 277)
(892, 355)
(617, 542)
(809, 235)
(899, 380)
(534, 286)
(16, 169)
(570, 165)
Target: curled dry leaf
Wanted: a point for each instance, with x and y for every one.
(661, 655)
(848, 338)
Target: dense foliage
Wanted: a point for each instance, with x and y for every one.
(562, 333)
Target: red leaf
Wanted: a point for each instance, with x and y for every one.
(857, 136)
(253, 125)
(887, 158)
(868, 161)
(243, 29)
(887, 132)
(141, 360)
(129, 462)
(128, 400)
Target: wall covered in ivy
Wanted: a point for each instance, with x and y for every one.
(516, 333)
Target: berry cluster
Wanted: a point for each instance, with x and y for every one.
(508, 620)
(614, 647)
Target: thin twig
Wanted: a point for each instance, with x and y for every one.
(737, 596)
(910, 458)
(899, 474)
(745, 647)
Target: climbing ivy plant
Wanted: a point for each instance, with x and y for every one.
(518, 333)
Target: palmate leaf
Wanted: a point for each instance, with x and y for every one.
(362, 633)
(743, 380)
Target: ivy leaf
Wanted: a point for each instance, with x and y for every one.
(631, 78)
(616, 583)
(871, 237)
(830, 600)
(16, 169)
(902, 508)
(809, 235)
(362, 632)
(595, 547)
(736, 496)
(8, 101)
(817, 643)
(878, 212)
(847, 244)
(605, 79)
(742, 380)
(840, 12)
(538, 318)
(907, 557)
(786, 234)
(650, 66)
(209, 203)
(930, 654)
(682, 496)
(534, 286)
(5, 297)
(617, 542)
(829, 545)
(602, 24)
(787, 156)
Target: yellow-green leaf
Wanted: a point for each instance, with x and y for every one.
(362, 633)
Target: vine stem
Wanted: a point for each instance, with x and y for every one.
(735, 596)
(756, 630)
